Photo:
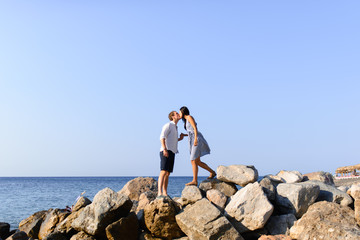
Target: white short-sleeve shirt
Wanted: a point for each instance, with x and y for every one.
(170, 133)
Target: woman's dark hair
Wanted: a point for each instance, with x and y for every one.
(185, 111)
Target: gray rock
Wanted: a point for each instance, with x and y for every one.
(295, 198)
(160, 218)
(81, 202)
(31, 225)
(191, 194)
(106, 208)
(290, 176)
(217, 198)
(238, 174)
(343, 188)
(326, 220)
(82, 236)
(4, 230)
(330, 193)
(126, 228)
(269, 188)
(321, 176)
(134, 188)
(249, 209)
(228, 189)
(202, 220)
(274, 179)
(20, 235)
(280, 224)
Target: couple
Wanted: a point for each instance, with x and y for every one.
(169, 145)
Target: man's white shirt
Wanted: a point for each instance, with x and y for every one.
(170, 133)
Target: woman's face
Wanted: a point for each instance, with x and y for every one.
(181, 114)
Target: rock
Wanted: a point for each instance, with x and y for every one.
(52, 218)
(202, 220)
(134, 188)
(144, 199)
(228, 189)
(126, 228)
(4, 230)
(81, 203)
(269, 188)
(280, 224)
(274, 179)
(160, 218)
(65, 225)
(55, 236)
(20, 235)
(250, 208)
(321, 176)
(276, 237)
(217, 198)
(106, 208)
(326, 220)
(295, 198)
(82, 236)
(191, 194)
(354, 191)
(148, 236)
(290, 176)
(238, 174)
(31, 225)
(343, 188)
(332, 194)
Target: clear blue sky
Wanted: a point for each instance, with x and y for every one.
(85, 86)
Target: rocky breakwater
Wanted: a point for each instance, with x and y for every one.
(237, 205)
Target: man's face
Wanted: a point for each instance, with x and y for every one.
(176, 116)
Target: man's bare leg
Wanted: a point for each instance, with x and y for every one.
(161, 182)
(166, 182)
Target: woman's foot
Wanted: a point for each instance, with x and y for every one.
(191, 184)
(212, 175)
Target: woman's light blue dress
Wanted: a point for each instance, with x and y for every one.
(202, 148)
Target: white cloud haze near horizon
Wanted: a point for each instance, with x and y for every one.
(86, 86)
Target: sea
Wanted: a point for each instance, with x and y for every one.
(20, 197)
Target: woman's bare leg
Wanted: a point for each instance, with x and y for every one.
(195, 169)
(206, 167)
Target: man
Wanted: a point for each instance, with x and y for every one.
(169, 147)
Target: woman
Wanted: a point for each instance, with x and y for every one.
(198, 146)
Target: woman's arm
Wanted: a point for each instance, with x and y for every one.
(192, 122)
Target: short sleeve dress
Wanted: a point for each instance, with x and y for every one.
(202, 148)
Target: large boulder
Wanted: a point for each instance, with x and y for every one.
(290, 176)
(126, 228)
(217, 198)
(321, 176)
(202, 220)
(19, 235)
(81, 203)
(295, 198)
(82, 236)
(354, 191)
(65, 225)
(249, 209)
(191, 194)
(144, 199)
(280, 224)
(331, 194)
(269, 188)
(326, 220)
(31, 225)
(4, 230)
(134, 188)
(238, 174)
(160, 218)
(106, 208)
(52, 218)
(226, 188)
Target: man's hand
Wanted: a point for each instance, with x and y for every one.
(182, 135)
(165, 153)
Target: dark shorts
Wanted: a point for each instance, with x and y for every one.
(167, 163)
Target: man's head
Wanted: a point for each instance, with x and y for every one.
(174, 116)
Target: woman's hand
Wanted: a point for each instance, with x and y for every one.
(195, 142)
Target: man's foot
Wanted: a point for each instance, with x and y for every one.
(212, 175)
(191, 184)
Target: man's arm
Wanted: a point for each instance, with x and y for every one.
(182, 135)
(165, 152)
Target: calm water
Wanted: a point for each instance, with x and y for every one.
(20, 197)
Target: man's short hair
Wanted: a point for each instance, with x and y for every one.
(171, 114)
